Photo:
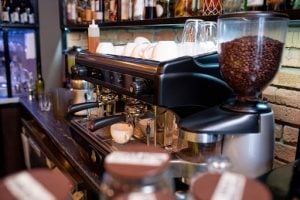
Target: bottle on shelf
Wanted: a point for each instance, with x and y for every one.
(212, 7)
(31, 15)
(275, 5)
(88, 12)
(253, 5)
(23, 13)
(93, 37)
(125, 10)
(17, 13)
(183, 8)
(110, 10)
(5, 11)
(138, 10)
(98, 16)
(71, 11)
(150, 9)
(165, 8)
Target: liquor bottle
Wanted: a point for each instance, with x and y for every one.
(12, 12)
(5, 11)
(275, 5)
(150, 9)
(23, 14)
(183, 8)
(138, 10)
(71, 11)
(30, 13)
(93, 8)
(212, 7)
(17, 13)
(88, 12)
(125, 8)
(167, 8)
(98, 11)
(39, 85)
(253, 5)
(110, 10)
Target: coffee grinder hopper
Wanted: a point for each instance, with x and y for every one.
(250, 50)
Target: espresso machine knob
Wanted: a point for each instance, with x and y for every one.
(138, 87)
(79, 71)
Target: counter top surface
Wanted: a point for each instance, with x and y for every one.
(58, 131)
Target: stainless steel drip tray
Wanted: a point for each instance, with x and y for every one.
(100, 139)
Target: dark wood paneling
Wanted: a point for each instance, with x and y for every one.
(12, 159)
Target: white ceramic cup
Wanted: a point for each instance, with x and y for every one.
(165, 50)
(141, 40)
(105, 48)
(119, 49)
(138, 50)
(121, 132)
(147, 53)
(129, 48)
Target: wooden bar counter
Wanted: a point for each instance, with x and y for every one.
(53, 138)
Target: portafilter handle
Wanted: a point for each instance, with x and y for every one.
(101, 122)
(81, 106)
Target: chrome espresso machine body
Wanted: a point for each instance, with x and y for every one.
(182, 86)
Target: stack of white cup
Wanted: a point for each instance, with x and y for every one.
(142, 48)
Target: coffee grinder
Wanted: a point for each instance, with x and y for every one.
(250, 49)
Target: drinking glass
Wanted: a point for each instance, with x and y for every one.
(190, 37)
(208, 37)
(45, 102)
(198, 37)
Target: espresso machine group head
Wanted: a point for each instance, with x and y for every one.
(250, 49)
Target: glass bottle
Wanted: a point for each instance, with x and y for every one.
(39, 85)
(98, 11)
(71, 11)
(150, 9)
(167, 8)
(275, 5)
(230, 6)
(125, 9)
(111, 10)
(253, 5)
(212, 7)
(23, 13)
(88, 12)
(5, 11)
(183, 8)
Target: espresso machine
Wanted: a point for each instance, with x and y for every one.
(172, 89)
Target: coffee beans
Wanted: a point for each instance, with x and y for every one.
(249, 63)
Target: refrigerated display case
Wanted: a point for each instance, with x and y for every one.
(19, 54)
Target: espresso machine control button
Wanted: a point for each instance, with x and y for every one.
(120, 79)
(138, 87)
(79, 71)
